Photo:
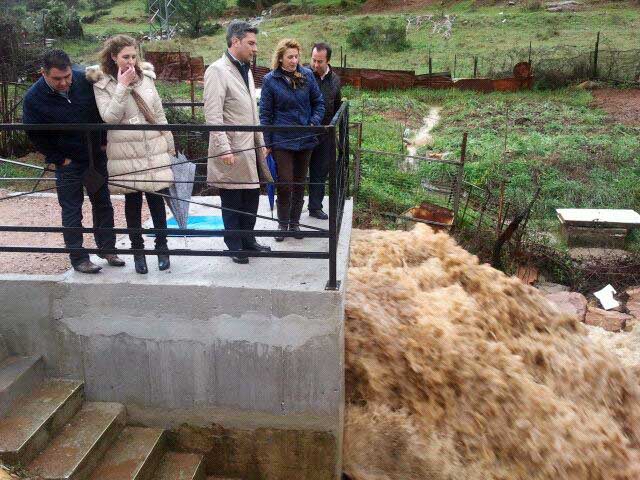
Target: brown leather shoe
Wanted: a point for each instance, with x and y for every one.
(113, 260)
(86, 266)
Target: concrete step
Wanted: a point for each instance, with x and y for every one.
(81, 444)
(4, 349)
(134, 456)
(18, 376)
(31, 423)
(181, 466)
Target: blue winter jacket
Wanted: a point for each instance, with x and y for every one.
(280, 104)
(43, 105)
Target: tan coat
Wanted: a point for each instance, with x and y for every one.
(227, 101)
(131, 151)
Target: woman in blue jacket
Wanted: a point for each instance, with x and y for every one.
(290, 96)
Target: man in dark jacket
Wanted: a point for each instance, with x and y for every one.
(329, 83)
(63, 95)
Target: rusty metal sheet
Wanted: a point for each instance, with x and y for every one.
(435, 80)
(522, 70)
(197, 68)
(477, 84)
(176, 66)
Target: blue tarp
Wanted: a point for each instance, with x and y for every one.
(197, 222)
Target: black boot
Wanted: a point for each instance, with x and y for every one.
(140, 262)
(282, 227)
(295, 228)
(163, 259)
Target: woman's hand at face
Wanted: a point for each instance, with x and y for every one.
(127, 77)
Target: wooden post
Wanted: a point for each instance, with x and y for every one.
(500, 207)
(475, 67)
(595, 57)
(530, 45)
(459, 179)
(455, 64)
(193, 97)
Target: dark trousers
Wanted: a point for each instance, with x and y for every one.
(71, 197)
(292, 167)
(133, 214)
(318, 171)
(244, 200)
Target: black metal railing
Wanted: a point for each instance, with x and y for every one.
(337, 132)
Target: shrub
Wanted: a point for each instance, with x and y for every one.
(61, 21)
(194, 14)
(256, 5)
(368, 35)
(533, 5)
(97, 5)
(92, 18)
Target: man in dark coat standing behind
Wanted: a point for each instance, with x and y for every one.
(329, 83)
(63, 95)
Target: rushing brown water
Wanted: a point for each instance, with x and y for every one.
(456, 371)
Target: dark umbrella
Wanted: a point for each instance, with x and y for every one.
(271, 187)
(184, 173)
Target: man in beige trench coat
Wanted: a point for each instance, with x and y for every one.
(236, 157)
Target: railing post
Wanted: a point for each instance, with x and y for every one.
(459, 178)
(333, 283)
(595, 57)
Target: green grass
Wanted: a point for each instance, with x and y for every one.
(126, 16)
(476, 31)
(554, 139)
(500, 36)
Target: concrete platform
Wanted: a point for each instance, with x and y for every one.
(245, 347)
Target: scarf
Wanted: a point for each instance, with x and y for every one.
(294, 79)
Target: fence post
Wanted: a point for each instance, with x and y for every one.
(332, 284)
(475, 67)
(193, 98)
(455, 64)
(459, 178)
(595, 57)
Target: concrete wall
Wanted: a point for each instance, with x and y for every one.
(197, 349)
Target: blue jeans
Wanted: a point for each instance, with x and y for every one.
(71, 197)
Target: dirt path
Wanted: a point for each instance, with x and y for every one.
(43, 210)
(622, 105)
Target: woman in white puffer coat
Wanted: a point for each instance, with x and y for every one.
(126, 94)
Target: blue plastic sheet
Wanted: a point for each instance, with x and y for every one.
(197, 222)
